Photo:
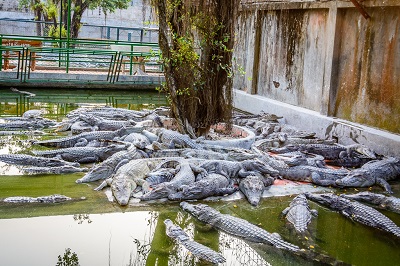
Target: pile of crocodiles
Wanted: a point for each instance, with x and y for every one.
(139, 155)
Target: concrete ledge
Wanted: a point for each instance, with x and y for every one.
(80, 80)
(345, 132)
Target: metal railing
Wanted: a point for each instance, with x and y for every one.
(29, 58)
(129, 34)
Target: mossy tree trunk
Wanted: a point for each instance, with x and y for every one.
(196, 39)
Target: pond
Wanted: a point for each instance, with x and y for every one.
(101, 232)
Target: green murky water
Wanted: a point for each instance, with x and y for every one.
(101, 232)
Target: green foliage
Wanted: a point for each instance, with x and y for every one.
(55, 32)
(68, 259)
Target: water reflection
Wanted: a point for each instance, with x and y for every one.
(68, 259)
(80, 218)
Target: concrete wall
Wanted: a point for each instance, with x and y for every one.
(323, 56)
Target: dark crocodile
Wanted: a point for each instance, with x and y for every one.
(328, 151)
(106, 168)
(83, 138)
(299, 213)
(25, 159)
(384, 202)
(56, 198)
(236, 226)
(211, 185)
(374, 172)
(83, 154)
(253, 186)
(356, 212)
(65, 169)
(198, 250)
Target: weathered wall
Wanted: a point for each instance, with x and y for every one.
(367, 89)
(323, 56)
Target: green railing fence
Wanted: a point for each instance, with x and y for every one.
(32, 58)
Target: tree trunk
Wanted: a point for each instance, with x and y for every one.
(199, 84)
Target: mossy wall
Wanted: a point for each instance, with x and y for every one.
(323, 56)
(368, 68)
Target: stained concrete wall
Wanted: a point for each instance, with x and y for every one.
(323, 56)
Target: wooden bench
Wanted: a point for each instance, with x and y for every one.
(17, 54)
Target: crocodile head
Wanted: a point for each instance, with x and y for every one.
(113, 148)
(366, 196)
(357, 178)
(299, 200)
(190, 192)
(96, 173)
(258, 165)
(252, 187)
(160, 191)
(174, 231)
(328, 199)
(201, 211)
(122, 189)
(365, 151)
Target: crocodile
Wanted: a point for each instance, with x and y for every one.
(353, 161)
(35, 113)
(83, 138)
(27, 93)
(299, 213)
(233, 169)
(83, 154)
(29, 124)
(384, 202)
(253, 187)
(306, 173)
(137, 139)
(110, 113)
(219, 153)
(103, 124)
(22, 132)
(211, 185)
(172, 138)
(79, 127)
(25, 159)
(109, 166)
(65, 169)
(356, 212)
(328, 151)
(183, 175)
(128, 177)
(236, 226)
(302, 158)
(56, 198)
(374, 172)
(198, 250)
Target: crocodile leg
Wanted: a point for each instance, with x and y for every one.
(384, 184)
